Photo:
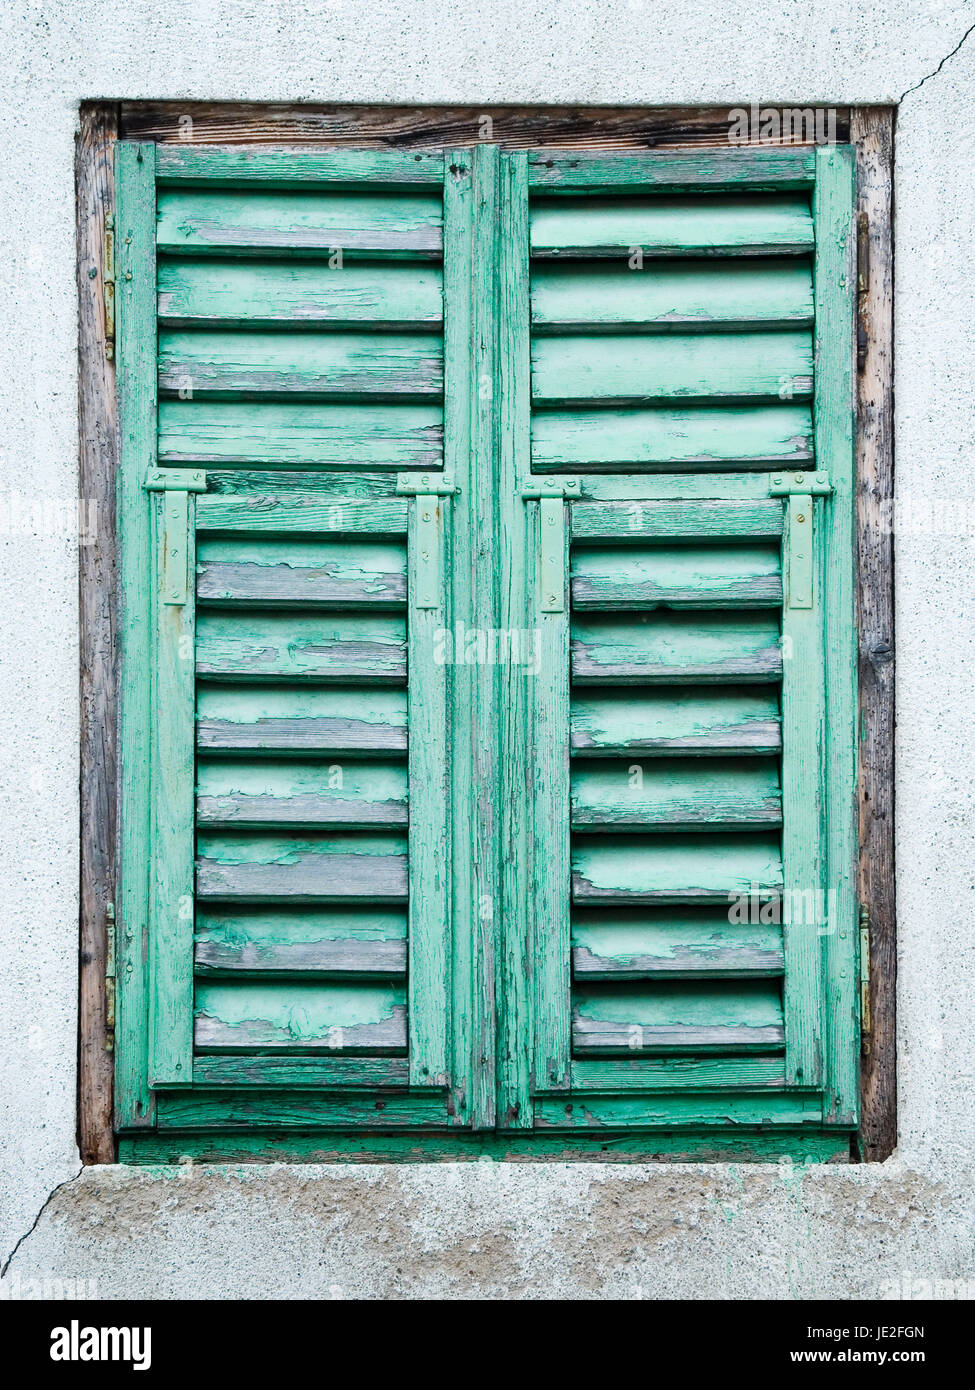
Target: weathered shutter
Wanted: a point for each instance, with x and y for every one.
(487, 710)
(692, 923)
(284, 916)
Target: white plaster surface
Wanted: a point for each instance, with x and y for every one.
(469, 1229)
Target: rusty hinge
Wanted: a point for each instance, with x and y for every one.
(865, 1027)
(863, 287)
(108, 281)
(110, 977)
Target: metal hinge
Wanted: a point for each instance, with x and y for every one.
(108, 283)
(800, 488)
(426, 484)
(532, 488)
(176, 484)
(812, 484)
(551, 554)
(865, 1023)
(863, 286)
(110, 977)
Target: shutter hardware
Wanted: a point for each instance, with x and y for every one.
(800, 488)
(177, 484)
(434, 484)
(108, 282)
(863, 287)
(865, 1021)
(110, 977)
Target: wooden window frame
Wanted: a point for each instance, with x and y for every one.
(869, 129)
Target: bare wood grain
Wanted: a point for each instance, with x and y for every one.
(97, 463)
(512, 127)
(872, 130)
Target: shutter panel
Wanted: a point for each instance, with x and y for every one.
(285, 905)
(487, 715)
(692, 924)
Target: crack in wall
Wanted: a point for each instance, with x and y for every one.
(33, 1226)
(947, 58)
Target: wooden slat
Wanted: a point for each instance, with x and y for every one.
(298, 295)
(788, 1111)
(633, 945)
(635, 369)
(245, 1117)
(300, 435)
(310, 365)
(702, 172)
(672, 296)
(216, 165)
(304, 1070)
(272, 572)
(300, 1017)
(262, 868)
(712, 646)
(244, 222)
(674, 868)
(261, 792)
(686, 721)
(341, 944)
(622, 577)
(744, 1015)
(620, 1075)
(671, 793)
(665, 226)
(271, 645)
(309, 720)
(686, 520)
(299, 513)
(668, 436)
(332, 486)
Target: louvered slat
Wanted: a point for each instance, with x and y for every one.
(242, 222)
(641, 944)
(658, 646)
(287, 719)
(719, 1016)
(341, 944)
(333, 868)
(630, 369)
(301, 1017)
(670, 793)
(327, 573)
(621, 577)
(308, 365)
(671, 296)
(298, 295)
(260, 793)
(715, 225)
(681, 720)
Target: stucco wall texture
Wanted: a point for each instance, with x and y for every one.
(525, 1230)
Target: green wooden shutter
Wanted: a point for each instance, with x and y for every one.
(286, 952)
(692, 929)
(487, 648)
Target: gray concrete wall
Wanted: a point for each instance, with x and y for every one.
(520, 1230)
